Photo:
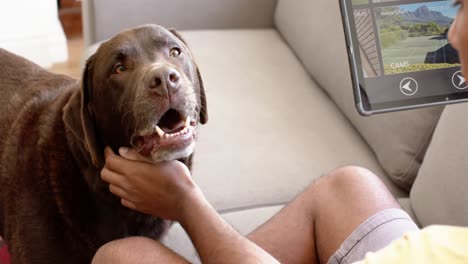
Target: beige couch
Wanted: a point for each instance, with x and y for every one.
(281, 111)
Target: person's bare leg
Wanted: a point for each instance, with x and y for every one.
(309, 230)
(136, 250)
(314, 225)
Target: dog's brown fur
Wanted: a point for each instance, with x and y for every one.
(53, 206)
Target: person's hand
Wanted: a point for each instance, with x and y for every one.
(162, 189)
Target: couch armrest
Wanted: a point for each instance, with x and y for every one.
(103, 18)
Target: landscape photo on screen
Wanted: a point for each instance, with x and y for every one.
(414, 37)
(360, 2)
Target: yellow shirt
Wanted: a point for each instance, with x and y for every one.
(435, 244)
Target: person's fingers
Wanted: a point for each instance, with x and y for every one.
(131, 154)
(183, 167)
(118, 191)
(112, 177)
(108, 152)
(176, 167)
(112, 160)
(116, 163)
(128, 204)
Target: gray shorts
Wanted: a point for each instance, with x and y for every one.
(375, 233)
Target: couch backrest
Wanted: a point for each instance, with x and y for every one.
(440, 193)
(103, 18)
(314, 30)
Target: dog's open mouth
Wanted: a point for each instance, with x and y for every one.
(173, 131)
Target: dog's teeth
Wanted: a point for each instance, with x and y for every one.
(187, 121)
(159, 131)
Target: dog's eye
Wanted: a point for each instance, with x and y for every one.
(175, 52)
(119, 68)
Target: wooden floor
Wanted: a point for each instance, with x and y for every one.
(75, 54)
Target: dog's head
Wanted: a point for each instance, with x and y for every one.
(142, 89)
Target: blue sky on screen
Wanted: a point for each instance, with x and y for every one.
(445, 7)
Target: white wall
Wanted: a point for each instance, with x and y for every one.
(31, 28)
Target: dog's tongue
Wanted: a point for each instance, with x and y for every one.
(173, 129)
(179, 126)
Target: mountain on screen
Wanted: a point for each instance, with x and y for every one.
(423, 15)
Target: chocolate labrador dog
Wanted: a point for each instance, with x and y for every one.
(141, 89)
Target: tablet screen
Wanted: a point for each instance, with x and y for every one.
(402, 56)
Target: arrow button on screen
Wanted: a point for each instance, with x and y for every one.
(459, 81)
(409, 86)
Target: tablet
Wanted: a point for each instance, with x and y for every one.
(400, 56)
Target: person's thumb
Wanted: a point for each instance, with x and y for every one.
(131, 154)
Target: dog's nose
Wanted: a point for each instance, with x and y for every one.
(164, 80)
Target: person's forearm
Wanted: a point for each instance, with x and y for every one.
(215, 240)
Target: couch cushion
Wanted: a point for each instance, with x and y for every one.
(244, 221)
(405, 204)
(314, 31)
(181, 14)
(439, 195)
(271, 130)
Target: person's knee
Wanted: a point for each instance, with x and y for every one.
(106, 253)
(351, 183)
(353, 177)
(345, 176)
(343, 199)
(117, 251)
(359, 184)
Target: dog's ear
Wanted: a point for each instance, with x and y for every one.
(203, 105)
(203, 112)
(78, 115)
